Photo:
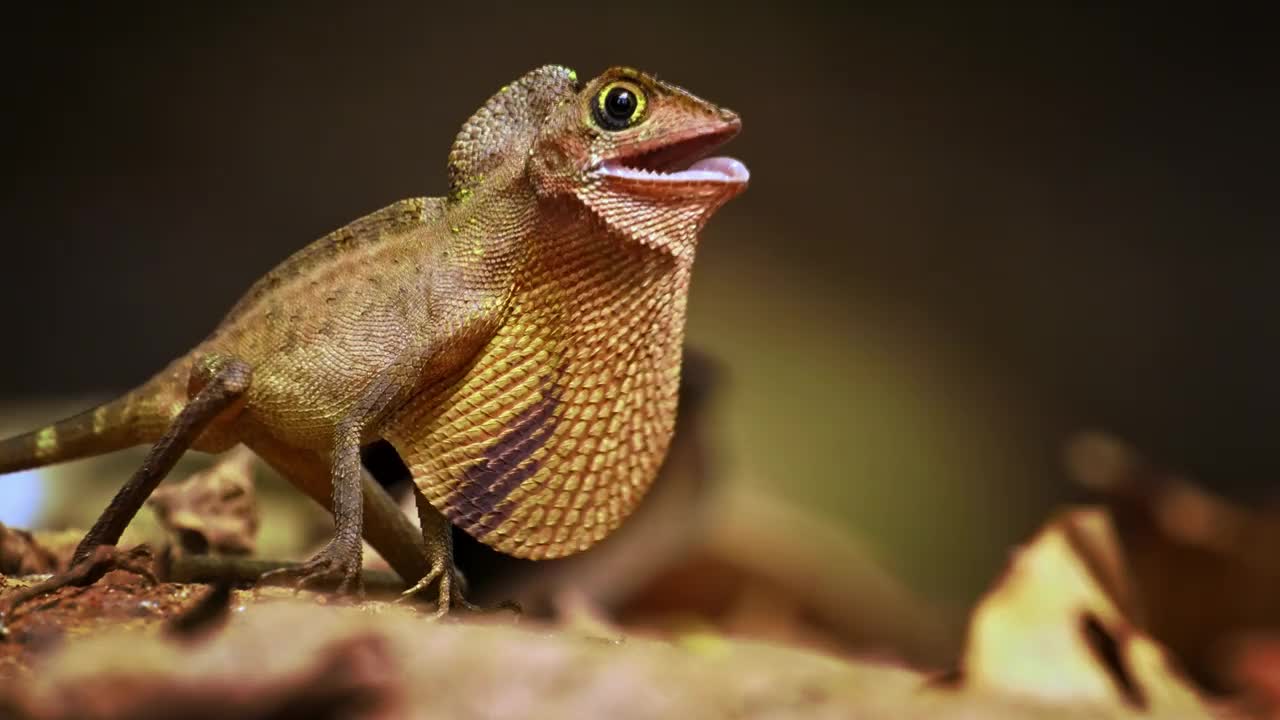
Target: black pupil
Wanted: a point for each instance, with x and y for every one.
(620, 104)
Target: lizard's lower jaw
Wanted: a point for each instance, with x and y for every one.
(710, 171)
(676, 165)
(709, 182)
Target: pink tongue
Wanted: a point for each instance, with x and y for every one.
(726, 166)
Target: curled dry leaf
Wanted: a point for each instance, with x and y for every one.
(214, 510)
(1054, 628)
(1203, 571)
(22, 554)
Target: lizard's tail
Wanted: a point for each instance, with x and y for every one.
(139, 416)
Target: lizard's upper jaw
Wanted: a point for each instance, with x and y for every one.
(678, 162)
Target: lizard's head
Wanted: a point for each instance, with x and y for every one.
(632, 149)
(635, 150)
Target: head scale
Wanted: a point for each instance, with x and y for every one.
(504, 127)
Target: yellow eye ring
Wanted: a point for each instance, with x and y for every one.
(619, 105)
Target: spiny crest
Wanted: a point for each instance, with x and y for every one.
(504, 127)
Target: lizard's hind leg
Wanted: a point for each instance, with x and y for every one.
(220, 382)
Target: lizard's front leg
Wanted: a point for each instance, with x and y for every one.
(343, 557)
(437, 534)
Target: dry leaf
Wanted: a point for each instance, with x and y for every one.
(22, 554)
(1204, 572)
(214, 510)
(1051, 630)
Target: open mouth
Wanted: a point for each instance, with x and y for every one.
(681, 161)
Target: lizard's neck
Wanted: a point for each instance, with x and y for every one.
(599, 292)
(555, 431)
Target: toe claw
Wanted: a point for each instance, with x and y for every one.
(419, 586)
(331, 566)
(450, 594)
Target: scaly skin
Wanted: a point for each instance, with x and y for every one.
(518, 342)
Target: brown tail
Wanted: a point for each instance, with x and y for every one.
(137, 417)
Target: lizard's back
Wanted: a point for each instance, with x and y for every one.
(291, 324)
(329, 320)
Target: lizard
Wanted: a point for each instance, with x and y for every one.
(517, 341)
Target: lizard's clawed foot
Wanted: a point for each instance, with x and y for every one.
(337, 564)
(450, 584)
(88, 570)
(450, 591)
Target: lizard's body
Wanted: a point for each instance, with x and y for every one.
(517, 342)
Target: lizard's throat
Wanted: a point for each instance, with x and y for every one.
(559, 426)
(669, 224)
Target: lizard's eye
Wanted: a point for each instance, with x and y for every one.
(619, 105)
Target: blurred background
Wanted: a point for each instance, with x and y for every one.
(969, 234)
